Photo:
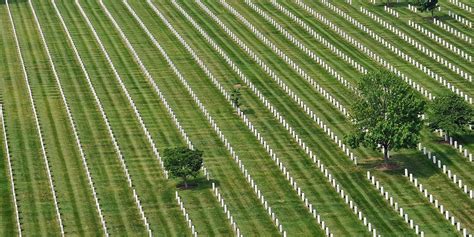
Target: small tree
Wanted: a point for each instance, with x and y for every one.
(182, 162)
(387, 112)
(451, 113)
(235, 97)
(428, 5)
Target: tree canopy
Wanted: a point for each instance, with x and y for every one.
(386, 113)
(451, 113)
(428, 5)
(182, 162)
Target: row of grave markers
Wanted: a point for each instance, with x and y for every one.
(458, 146)
(360, 46)
(394, 204)
(10, 173)
(37, 122)
(453, 177)
(189, 222)
(441, 41)
(391, 11)
(292, 39)
(460, 19)
(151, 81)
(436, 203)
(209, 119)
(452, 30)
(320, 38)
(71, 121)
(424, 50)
(461, 5)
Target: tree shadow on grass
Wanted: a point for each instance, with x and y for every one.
(10, 2)
(197, 184)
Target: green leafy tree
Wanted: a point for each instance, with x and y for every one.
(236, 97)
(451, 113)
(428, 5)
(182, 162)
(386, 112)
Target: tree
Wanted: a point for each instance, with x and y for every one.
(182, 162)
(235, 97)
(451, 113)
(428, 5)
(386, 112)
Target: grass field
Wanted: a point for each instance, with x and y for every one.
(111, 61)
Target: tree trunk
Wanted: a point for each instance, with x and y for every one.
(185, 183)
(385, 154)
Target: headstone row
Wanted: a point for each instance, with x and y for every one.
(412, 8)
(10, 173)
(189, 222)
(437, 204)
(71, 121)
(458, 146)
(453, 177)
(392, 11)
(98, 102)
(361, 46)
(452, 30)
(320, 38)
(209, 119)
(420, 48)
(462, 5)
(394, 204)
(220, 199)
(460, 19)
(441, 41)
(37, 122)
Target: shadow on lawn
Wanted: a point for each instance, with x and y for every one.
(199, 183)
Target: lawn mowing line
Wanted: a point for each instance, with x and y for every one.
(269, 106)
(452, 30)
(435, 202)
(292, 64)
(150, 79)
(320, 38)
(453, 177)
(71, 120)
(38, 128)
(364, 49)
(457, 146)
(186, 215)
(244, 118)
(163, 99)
(290, 93)
(302, 144)
(394, 204)
(441, 40)
(104, 116)
(292, 39)
(420, 47)
(210, 120)
(399, 53)
(10, 172)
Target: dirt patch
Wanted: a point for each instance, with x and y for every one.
(443, 142)
(190, 186)
(387, 166)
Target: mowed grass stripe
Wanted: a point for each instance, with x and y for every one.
(34, 196)
(313, 183)
(309, 135)
(8, 225)
(74, 195)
